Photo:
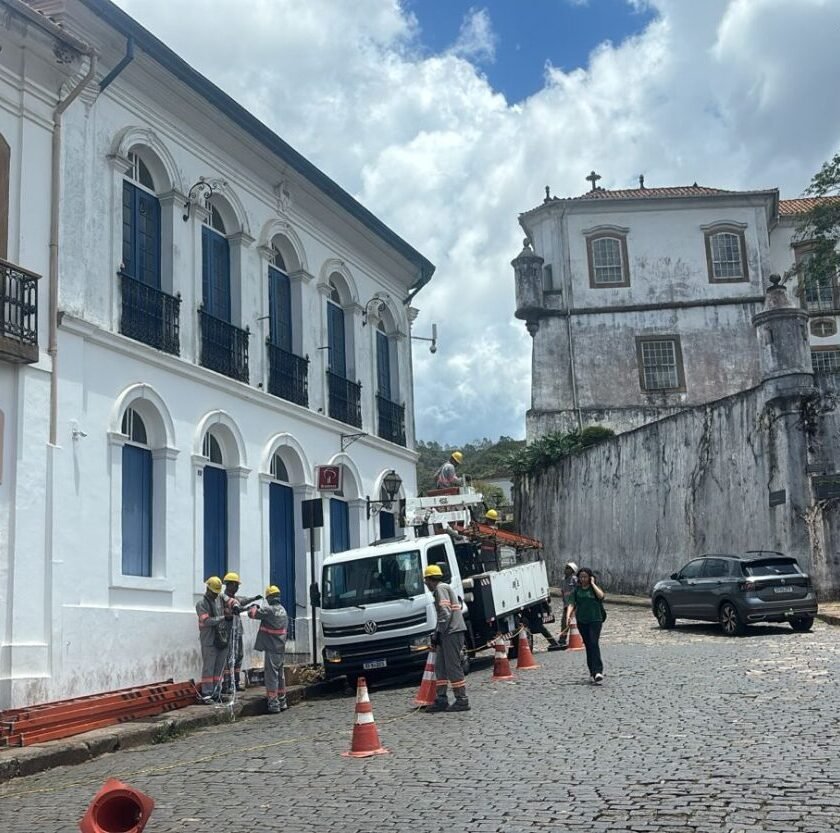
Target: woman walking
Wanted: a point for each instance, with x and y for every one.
(586, 602)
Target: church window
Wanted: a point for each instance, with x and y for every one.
(726, 254)
(824, 327)
(660, 363)
(825, 360)
(607, 254)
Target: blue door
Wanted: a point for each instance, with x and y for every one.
(335, 340)
(280, 309)
(215, 522)
(383, 365)
(141, 236)
(387, 527)
(281, 543)
(136, 511)
(339, 525)
(215, 273)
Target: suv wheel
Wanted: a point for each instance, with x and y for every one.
(730, 620)
(663, 614)
(802, 623)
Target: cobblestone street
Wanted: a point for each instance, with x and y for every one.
(692, 731)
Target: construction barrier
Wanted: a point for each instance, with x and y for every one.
(427, 693)
(117, 808)
(501, 663)
(525, 658)
(365, 735)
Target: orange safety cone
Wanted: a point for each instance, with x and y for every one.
(428, 691)
(525, 660)
(575, 642)
(365, 736)
(117, 808)
(501, 663)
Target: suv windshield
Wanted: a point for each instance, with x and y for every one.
(772, 568)
(380, 578)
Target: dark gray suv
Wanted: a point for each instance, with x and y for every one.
(737, 590)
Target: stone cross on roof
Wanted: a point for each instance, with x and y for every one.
(593, 178)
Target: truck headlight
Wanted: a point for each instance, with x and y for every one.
(332, 655)
(420, 643)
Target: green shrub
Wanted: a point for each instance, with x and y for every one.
(544, 452)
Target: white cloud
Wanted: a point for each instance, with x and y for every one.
(476, 39)
(731, 93)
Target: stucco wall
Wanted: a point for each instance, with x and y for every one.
(637, 507)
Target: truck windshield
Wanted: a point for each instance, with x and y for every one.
(380, 578)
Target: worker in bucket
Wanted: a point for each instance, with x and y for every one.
(236, 605)
(491, 518)
(213, 635)
(271, 638)
(446, 476)
(448, 642)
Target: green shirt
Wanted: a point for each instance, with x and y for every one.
(587, 608)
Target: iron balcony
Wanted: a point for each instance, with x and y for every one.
(18, 314)
(150, 315)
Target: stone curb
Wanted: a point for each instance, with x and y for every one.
(829, 618)
(28, 760)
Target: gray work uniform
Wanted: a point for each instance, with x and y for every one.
(211, 618)
(445, 476)
(451, 629)
(236, 643)
(271, 638)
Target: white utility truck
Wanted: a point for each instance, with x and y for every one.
(377, 615)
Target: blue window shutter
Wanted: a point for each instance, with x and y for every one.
(383, 365)
(215, 522)
(387, 527)
(281, 535)
(141, 235)
(136, 511)
(280, 309)
(215, 273)
(339, 525)
(335, 340)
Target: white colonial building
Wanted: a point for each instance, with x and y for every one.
(640, 301)
(214, 319)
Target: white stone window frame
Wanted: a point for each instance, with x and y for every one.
(828, 357)
(161, 435)
(731, 229)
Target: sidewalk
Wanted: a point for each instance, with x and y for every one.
(16, 762)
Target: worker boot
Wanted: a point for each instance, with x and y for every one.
(554, 645)
(441, 703)
(461, 704)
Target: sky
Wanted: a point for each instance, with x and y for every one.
(448, 119)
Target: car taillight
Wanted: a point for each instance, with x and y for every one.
(746, 586)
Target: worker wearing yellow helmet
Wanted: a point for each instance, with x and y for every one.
(446, 476)
(448, 643)
(271, 638)
(235, 605)
(213, 636)
(491, 516)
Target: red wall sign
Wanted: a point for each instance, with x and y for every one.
(329, 478)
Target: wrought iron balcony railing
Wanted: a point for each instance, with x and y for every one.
(18, 314)
(288, 375)
(224, 347)
(345, 399)
(150, 315)
(391, 422)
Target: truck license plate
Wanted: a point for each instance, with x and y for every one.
(376, 663)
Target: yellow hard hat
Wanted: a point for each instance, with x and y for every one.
(492, 515)
(214, 583)
(272, 590)
(232, 577)
(457, 457)
(433, 571)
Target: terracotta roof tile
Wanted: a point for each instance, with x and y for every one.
(801, 205)
(642, 193)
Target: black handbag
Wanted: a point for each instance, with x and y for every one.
(603, 610)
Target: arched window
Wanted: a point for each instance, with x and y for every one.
(137, 497)
(383, 362)
(336, 337)
(279, 302)
(141, 225)
(281, 537)
(215, 266)
(215, 508)
(726, 254)
(606, 250)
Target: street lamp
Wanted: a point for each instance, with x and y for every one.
(391, 484)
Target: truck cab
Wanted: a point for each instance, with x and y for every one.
(376, 613)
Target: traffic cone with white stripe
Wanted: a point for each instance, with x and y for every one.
(501, 663)
(525, 658)
(428, 691)
(575, 642)
(365, 736)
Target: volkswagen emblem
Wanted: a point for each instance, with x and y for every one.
(370, 626)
